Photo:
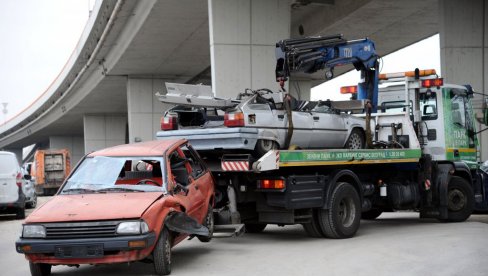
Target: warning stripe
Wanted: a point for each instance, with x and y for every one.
(235, 166)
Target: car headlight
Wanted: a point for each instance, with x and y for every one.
(33, 231)
(132, 228)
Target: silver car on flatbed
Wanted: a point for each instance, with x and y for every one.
(257, 121)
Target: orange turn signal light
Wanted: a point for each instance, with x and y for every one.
(137, 244)
(432, 82)
(349, 89)
(26, 248)
(277, 184)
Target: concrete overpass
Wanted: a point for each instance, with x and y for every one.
(105, 94)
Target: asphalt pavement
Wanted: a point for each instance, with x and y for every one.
(394, 244)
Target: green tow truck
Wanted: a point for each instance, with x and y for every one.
(421, 155)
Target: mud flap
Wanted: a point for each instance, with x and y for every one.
(182, 223)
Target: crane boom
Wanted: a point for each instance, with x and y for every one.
(312, 54)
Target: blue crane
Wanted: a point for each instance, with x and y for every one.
(311, 54)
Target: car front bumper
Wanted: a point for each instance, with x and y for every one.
(88, 251)
(215, 138)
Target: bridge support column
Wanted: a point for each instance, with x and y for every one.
(243, 34)
(74, 144)
(103, 131)
(144, 108)
(464, 49)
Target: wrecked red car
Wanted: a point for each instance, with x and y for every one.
(123, 204)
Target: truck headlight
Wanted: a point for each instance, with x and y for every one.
(132, 228)
(33, 231)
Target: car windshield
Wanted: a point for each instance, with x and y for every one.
(101, 174)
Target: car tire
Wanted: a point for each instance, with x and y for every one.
(162, 253)
(356, 140)
(209, 223)
(343, 217)
(33, 203)
(460, 200)
(20, 213)
(255, 227)
(263, 146)
(312, 228)
(371, 214)
(38, 269)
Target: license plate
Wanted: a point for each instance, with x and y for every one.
(79, 251)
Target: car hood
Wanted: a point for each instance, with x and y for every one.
(84, 207)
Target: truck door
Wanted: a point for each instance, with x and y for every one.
(460, 132)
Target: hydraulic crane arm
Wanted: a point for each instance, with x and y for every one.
(312, 54)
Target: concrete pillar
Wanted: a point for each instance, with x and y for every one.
(17, 152)
(74, 144)
(103, 131)
(464, 49)
(144, 108)
(243, 34)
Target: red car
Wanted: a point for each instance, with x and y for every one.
(123, 204)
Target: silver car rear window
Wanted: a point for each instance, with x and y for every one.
(7, 163)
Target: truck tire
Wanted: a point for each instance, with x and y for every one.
(255, 227)
(460, 200)
(162, 253)
(38, 269)
(356, 140)
(313, 228)
(371, 214)
(343, 217)
(209, 223)
(263, 146)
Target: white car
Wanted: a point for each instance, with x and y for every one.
(258, 122)
(12, 198)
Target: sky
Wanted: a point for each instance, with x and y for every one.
(38, 38)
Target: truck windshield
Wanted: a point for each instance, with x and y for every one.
(102, 174)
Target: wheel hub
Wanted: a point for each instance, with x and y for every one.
(347, 212)
(457, 200)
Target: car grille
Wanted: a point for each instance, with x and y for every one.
(96, 229)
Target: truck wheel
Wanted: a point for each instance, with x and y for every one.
(162, 253)
(209, 223)
(38, 269)
(313, 228)
(355, 140)
(20, 213)
(460, 200)
(342, 219)
(263, 146)
(255, 227)
(371, 214)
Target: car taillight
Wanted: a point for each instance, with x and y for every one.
(349, 89)
(234, 119)
(168, 123)
(18, 180)
(432, 82)
(276, 184)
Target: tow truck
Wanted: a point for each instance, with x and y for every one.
(422, 153)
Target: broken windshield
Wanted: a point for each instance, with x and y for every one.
(116, 174)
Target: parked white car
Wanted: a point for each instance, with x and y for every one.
(12, 198)
(257, 121)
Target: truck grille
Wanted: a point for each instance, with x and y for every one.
(70, 230)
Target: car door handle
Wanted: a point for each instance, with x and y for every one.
(281, 117)
(316, 118)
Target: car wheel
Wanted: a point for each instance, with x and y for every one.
(162, 253)
(255, 227)
(209, 223)
(38, 269)
(371, 214)
(355, 140)
(33, 203)
(460, 200)
(20, 213)
(342, 219)
(312, 228)
(263, 146)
